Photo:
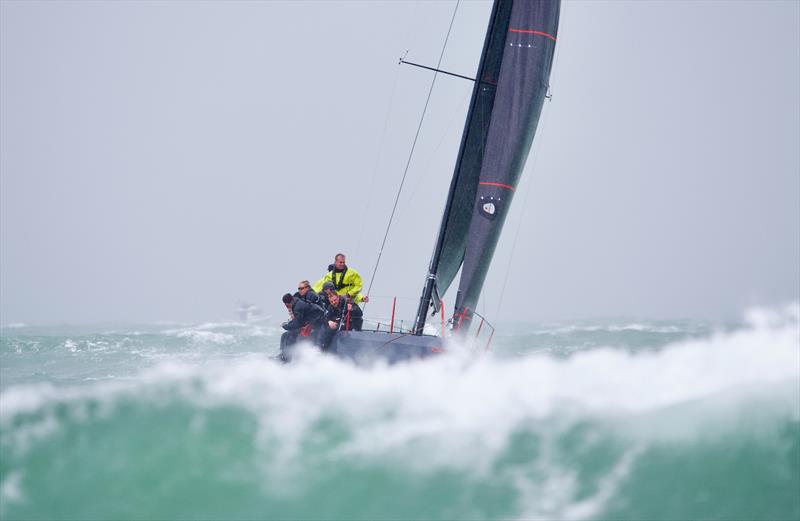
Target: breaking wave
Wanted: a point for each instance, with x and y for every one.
(702, 428)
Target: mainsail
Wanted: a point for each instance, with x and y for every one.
(510, 88)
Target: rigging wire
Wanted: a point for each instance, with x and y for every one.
(377, 160)
(409, 29)
(411, 153)
(426, 162)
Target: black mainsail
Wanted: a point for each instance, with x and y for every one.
(510, 88)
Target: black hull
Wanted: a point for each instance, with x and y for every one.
(368, 347)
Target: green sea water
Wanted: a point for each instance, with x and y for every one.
(606, 419)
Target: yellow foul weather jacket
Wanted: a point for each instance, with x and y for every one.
(347, 282)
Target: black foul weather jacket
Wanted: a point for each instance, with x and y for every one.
(304, 313)
(338, 314)
(310, 296)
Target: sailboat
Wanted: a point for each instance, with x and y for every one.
(510, 87)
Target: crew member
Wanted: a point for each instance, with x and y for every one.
(345, 280)
(305, 292)
(341, 314)
(302, 314)
(327, 289)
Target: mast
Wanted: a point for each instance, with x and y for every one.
(433, 267)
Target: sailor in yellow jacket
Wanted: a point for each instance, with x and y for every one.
(346, 280)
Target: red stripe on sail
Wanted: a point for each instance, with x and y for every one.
(501, 185)
(530, 31)
(461, 319)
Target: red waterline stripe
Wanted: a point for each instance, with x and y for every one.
(529, 31)
(501, 185)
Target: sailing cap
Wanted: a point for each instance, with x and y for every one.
(328, 286)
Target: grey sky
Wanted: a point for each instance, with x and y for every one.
(164, 160)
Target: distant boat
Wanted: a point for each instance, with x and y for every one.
(510, 87)
(249, 313)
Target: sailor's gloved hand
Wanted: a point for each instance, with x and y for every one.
(284, 325)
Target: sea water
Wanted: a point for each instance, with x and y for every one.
(605, 419)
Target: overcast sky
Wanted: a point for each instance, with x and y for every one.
(165, 160)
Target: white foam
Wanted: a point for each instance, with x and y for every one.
(557, 329)
(207, 332)
(767, 351)
(207, 337)
(469, 389)
(11, 490)
(219, 325)
(14, 325)
(460, 411)
(459, 404)
(555, 499)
